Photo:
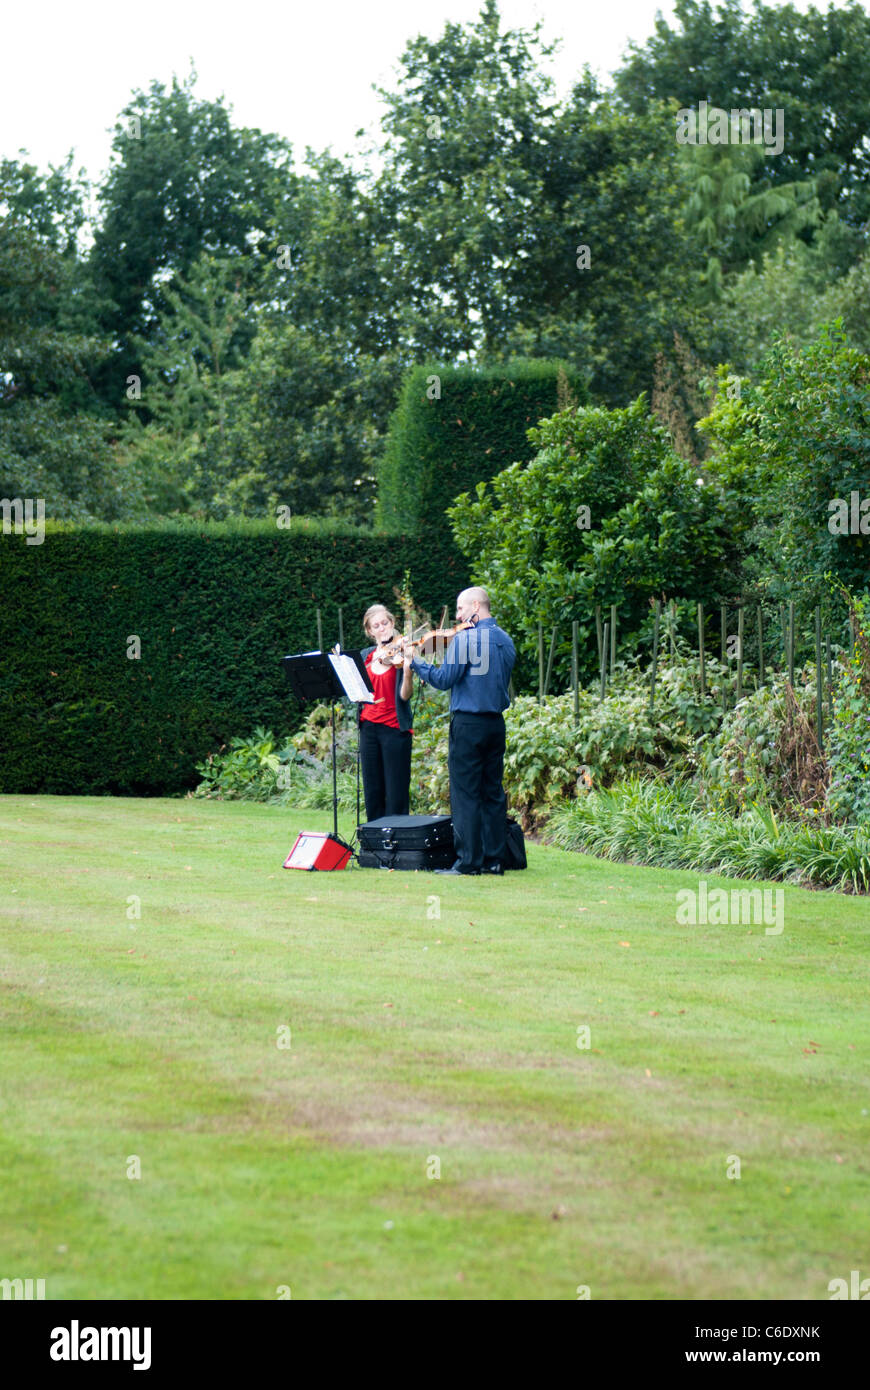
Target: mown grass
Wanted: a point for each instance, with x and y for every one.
(413, 1038)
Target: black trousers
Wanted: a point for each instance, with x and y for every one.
(477, 800)
(385, 762)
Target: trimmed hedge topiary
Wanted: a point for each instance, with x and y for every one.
(442, 446)
(215, 607)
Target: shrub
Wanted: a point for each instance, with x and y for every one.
(766, 751)
(605, 513)
(215, 607)
(438, 447)
(645, 822)
(849, 792)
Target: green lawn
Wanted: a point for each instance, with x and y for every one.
(413, 1039)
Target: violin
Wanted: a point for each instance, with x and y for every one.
(394, 652)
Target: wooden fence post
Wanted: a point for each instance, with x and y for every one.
(550, 664)
(701, 650)
(819, 731)
(606, 635)
(612, 639)
(655, 659)
(791, 642)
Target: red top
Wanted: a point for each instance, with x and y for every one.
(385, 691)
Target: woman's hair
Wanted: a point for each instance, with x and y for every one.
(370, 613)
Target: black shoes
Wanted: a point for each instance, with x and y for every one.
(459, 872)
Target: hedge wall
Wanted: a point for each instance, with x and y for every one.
(215, 608)
(440, 447)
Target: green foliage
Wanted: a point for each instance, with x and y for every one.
(652, 530)
(765, 752)
(787, 448)
(849, 793)
(215, 608)
(465, 154)
(68, 461)
(736, 220)
(265, 768)
(246, 771)
(183, 181)
(549, 758)
(646, 822)
(306, 424)
(811, 64)
(457, 426)
(493, 186)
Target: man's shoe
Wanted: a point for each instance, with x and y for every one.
(460, 873)
(493, 868)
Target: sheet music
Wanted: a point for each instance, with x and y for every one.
(354, 687)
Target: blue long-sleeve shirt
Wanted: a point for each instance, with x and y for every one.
(477, 668)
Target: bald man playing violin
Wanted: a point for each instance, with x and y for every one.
(476, 670)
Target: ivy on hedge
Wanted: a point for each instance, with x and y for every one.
(215, 607)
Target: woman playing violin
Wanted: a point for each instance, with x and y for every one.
(385, 725)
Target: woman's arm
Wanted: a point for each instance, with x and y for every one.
(407, 679)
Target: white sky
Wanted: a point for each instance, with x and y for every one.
(303, 71)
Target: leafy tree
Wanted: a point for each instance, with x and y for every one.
(52, 445)
(305, 424)
(736, 219)
(650, 528)
(464, 160)
(47, 342)
(813, 65)
(789, 447)
(493, 187)
(183, 447)
(184, 181)
(614, 185)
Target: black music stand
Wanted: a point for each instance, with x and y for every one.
(329, 676)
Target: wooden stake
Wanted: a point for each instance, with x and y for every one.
(701, 650)
(575, 662)
(819, 677)
(655, 657)
(550, 664)
(791, 642)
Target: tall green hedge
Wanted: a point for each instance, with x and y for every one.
(215, 609)
(441, 445)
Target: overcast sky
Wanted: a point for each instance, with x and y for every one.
(304, 71)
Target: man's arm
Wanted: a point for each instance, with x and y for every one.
(455, 666)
